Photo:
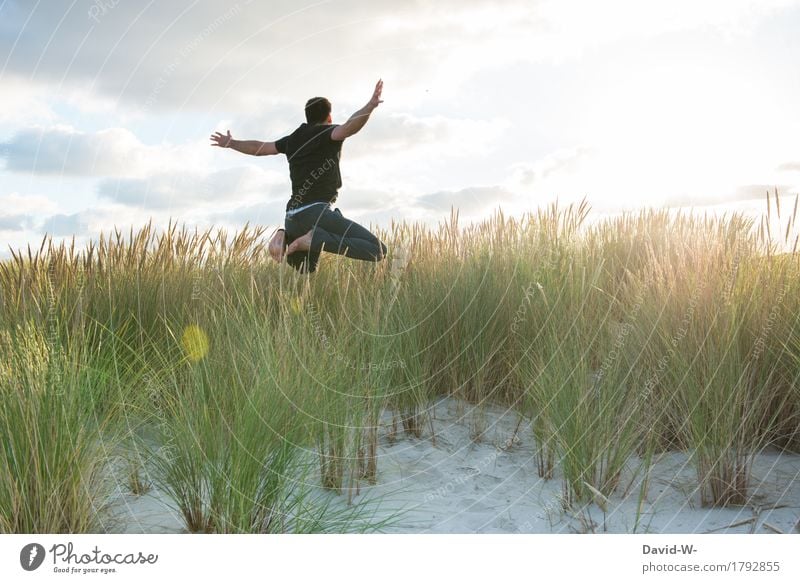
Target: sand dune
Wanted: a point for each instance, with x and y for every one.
(454, 484)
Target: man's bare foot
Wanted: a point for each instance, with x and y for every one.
(301, 243)
(277, 245)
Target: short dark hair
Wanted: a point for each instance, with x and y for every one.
(317, 109)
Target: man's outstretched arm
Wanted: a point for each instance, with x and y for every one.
(251, 147)
(359, 118)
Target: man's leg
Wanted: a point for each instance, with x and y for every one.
(333, 232)
(302, 261)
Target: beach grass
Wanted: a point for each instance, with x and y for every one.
(55, 437)
(618, 337)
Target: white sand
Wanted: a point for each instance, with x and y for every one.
(492, 486)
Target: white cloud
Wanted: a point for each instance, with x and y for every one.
(23, 102)
(564, 160)
(362, 198)
(404, 154)
(15, 222)
(63, 225)
(472, 200)
(15, 203)
(585, 24)
(398, 133)
(749, 192)
(572, 98)
(20, 219)
(63, 150)
(180, 55)
(180, 189)
(270, 212)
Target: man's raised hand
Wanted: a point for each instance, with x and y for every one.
(221, 140)
(376, 100)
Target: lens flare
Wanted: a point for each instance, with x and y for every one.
(195, 343)
(296, 305)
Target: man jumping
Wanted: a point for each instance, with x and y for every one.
(311, 223)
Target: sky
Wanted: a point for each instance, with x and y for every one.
(107, 106)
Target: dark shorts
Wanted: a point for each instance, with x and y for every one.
(333, 233)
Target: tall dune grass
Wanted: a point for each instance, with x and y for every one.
(649, 331)
(54, 436)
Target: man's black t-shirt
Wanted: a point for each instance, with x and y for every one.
(313, 164)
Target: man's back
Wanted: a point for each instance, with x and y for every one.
(313, 151)
(313, 164)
